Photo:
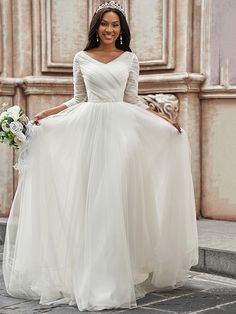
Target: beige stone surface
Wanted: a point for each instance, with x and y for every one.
(189, 118)
(6, 179)
(38, 39)
(218, 98)
(218, 159)
(6, 162)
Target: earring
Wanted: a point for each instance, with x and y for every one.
(97, 38)
(121, 42)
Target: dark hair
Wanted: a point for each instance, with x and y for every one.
(94, 25)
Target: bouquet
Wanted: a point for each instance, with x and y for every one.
(15, 127)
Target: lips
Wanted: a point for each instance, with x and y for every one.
(108, 36)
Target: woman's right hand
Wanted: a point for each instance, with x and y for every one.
(45, 113)
(39, 116)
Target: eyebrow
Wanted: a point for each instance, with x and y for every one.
(112, 21)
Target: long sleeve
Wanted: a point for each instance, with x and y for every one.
(80, 94)
(131, 90)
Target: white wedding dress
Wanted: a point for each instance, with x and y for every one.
(104, 199)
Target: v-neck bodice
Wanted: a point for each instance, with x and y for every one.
(114, 59)
(115, 81)
(105, 81)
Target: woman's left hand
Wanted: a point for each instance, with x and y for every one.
(174, 123)
(177, 126)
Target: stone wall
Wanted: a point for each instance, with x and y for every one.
(218, 100)
(39, 38)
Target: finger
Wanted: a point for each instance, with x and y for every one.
(178, 127)
(36, 122)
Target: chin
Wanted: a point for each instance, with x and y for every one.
(108, 41)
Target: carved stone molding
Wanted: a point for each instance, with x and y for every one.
(174, 82)
(6, 38)
(159, 46)
(148, 84)
(167, 104)
(159, 50)
(205, 64)
(47, 86)
(218, 92)
(59, 44)
(36, 37)
(7, 86)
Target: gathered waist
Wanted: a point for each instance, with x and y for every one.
(104, 100)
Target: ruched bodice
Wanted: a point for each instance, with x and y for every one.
(105, 81)
(95, 81)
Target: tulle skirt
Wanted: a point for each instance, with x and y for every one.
(104, 201)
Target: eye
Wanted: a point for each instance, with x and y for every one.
(103, 23)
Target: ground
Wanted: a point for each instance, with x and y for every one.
(203, 293)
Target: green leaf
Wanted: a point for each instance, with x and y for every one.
(9, 120)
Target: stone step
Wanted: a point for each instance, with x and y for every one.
(217, 246)
(218, 262)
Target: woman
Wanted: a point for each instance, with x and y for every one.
(105, 200)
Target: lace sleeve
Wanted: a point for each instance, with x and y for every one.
(131, 90)
(80, 94)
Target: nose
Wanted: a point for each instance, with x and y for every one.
(109, 28)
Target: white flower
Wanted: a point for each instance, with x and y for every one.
(5, 127)
(14, 112)
(3, 115)
(21, 137)
(16, 127)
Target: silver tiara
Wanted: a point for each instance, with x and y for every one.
(112, 5)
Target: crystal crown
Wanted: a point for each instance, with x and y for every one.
(111, 4)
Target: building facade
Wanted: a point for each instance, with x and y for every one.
(185, 49)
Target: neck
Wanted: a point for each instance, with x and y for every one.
(109, 47)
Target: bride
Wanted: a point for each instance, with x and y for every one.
(105, 199)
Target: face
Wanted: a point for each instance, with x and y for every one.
(109, 28)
